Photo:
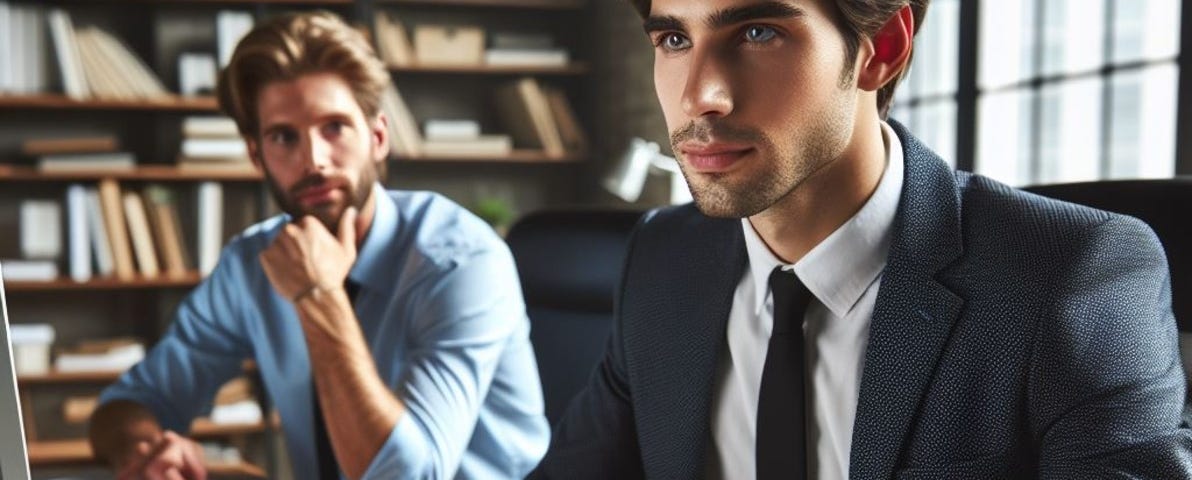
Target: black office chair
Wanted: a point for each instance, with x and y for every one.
(569, 263)
(1165, 205)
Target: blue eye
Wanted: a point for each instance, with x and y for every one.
(674, 41)
(760, 33)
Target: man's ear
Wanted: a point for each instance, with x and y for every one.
(380, 137)
(888, 51)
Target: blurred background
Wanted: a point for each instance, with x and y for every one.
(121, 180)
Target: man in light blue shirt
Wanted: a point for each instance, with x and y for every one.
(388, 326)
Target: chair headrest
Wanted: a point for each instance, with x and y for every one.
(571, 260)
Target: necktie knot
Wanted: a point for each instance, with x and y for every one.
(791, 298)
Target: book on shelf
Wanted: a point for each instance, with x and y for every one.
(167, 230)
(41, 229)
(205, 126)
(23, 41)
(215, 148)
(142, 238)
(482, 146)
(20, 270)
(70, 65)
(444, 129)
(393, 42)
(62, 145)
(526, 114)
(78, 233)
(120, 74)
(509, 57)
(77, 410)
(521, 41)
(112, 207)
(87, 162)
(210, 225)
(230, 27)
(570, 131)
(94, 356)
(97, 230)
(448, 45)
(236, 404)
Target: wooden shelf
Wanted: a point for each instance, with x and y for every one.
(62, 102)
(517, 157)
(576, 68)
(44, 453)
(54, 377)
(156, 173)
(534, 4)
(107, 283)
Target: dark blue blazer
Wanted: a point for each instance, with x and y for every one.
(1013, 336)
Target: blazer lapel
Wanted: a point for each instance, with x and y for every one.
(684, 299)
(913, 315)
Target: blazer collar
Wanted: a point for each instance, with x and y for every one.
(914, 313)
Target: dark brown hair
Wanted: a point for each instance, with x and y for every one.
(858, 19)
(293, 45)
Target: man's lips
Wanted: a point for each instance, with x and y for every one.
(315, 195)
(713, 157)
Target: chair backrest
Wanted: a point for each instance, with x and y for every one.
(1165, 205)
(569, 263)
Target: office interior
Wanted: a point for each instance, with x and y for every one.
(1027, 92)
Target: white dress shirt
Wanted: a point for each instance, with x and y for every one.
(843, 273)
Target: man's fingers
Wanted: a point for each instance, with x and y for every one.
(193, 467)
(347, 229)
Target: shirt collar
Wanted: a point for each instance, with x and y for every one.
(840, 268)
(370, 267)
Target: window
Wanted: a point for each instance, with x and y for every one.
(1063, 90)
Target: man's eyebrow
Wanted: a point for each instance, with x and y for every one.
(662, 23)
(772, 10)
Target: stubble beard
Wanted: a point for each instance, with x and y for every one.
(783, 169)
(328, 214)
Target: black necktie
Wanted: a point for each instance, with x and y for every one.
(328, 467)
(780, 423)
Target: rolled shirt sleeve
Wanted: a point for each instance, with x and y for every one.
(467, 318)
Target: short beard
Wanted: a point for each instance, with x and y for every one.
(328, 214)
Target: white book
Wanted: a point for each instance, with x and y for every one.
(451, 129)
(117, 359)
(16, 37)
(79, 236)
(41, 229)
(30, 270)
(209, 127)
(72, 162)
(214, 148)
(141, 80)
(484, 146)
(230, 27)
(526, 57)
(6, 53)
(69, 64)
(35, 51)
(237, 413)
(210, 231)
(101, 248)
(196, 73)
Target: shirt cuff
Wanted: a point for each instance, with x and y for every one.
(403, 455)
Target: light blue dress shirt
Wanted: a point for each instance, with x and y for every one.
(442, 312)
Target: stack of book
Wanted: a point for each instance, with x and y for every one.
(235, 404)
(78, 154)
(462, 139)
(41, 242)
(213, 143)
(525, 50)
(91, 356)
(540, 117)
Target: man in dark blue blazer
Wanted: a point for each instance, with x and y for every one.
(839, 303)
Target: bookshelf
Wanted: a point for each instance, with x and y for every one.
(150, 128)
